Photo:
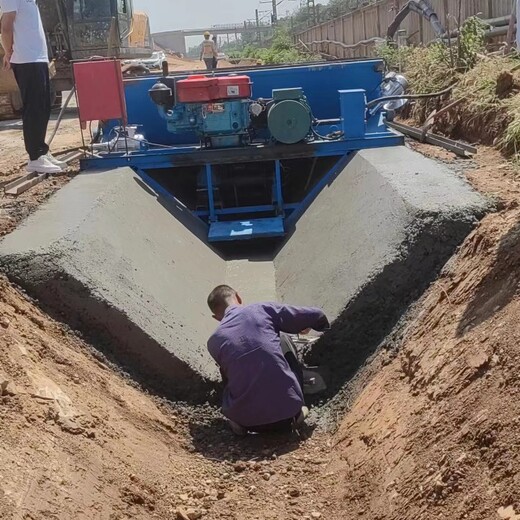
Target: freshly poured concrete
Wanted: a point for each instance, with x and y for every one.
(366, 219)
(253, 279)
(118, 261)
(131, 270)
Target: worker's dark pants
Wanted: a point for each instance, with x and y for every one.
(289, 351)
(210, 62)
(34, 84)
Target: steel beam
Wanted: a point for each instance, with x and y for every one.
(177, 157)
(211, 194)
(461, 149)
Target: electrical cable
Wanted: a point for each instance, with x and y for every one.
(140, 141)
(331, 137)
(118, 136)
(151, 144)
(377, 101)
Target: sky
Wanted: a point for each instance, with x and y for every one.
(194, 14)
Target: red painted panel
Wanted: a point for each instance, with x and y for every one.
(202, 89)
(99, 87)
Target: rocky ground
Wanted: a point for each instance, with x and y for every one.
(435, 434)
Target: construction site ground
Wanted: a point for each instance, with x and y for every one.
(432, 432)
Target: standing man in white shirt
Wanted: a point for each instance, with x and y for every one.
(25, 47)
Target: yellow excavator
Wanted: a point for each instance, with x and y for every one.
(82, 29)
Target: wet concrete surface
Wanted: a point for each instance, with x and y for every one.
(130, 269)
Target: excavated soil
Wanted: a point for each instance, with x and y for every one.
(12, 161)
(432, 431)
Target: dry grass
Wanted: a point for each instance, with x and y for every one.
(429, 70)
(490, 93)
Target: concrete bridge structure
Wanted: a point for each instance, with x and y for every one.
(176, 40)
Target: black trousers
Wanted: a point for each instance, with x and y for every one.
(210, 63)
(35, 86)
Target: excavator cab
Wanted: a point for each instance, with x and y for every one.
(82, 29)
(99, 28)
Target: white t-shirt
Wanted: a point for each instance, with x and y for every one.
(30, 45)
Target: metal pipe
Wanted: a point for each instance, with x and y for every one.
(461, 149)
(60, 116)
(492, 33)
(423, 8)
(278, 187)
(211, 200)
(498, 22)
(499, 31)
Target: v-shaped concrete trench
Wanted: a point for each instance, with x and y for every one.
(132, 271)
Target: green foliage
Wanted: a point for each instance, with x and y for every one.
(428, 70)
(282, 51)
(301, 18)
(471, 42)
(334, 9)
(436, 67)
(395, 57)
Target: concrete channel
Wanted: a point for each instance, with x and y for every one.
(131, 270)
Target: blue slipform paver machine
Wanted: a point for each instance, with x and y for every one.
(247, 150)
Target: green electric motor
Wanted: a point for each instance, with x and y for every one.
(290, 118)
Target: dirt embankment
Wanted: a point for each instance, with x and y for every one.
(434, 433)
(80, 442)
(182, 64)
(13, 158)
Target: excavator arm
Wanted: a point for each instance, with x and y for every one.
(421, 7)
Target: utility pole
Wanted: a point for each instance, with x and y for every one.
(259, 32)
(311, 11)
(274, 13)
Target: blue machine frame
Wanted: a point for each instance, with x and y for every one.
(337, 92)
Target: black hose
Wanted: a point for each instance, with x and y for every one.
(422, 7)
(376, 102)
(334, 136)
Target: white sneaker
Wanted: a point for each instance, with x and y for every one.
(42, 165)
(56, 162)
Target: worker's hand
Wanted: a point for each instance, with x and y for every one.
(305, 332)
(7, 61)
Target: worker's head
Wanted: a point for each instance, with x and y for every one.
(221, 298)
(207, 35)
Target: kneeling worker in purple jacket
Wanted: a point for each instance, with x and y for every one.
(263, 386)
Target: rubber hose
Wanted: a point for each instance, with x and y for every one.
(376, 102)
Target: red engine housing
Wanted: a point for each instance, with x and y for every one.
(204, 89)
